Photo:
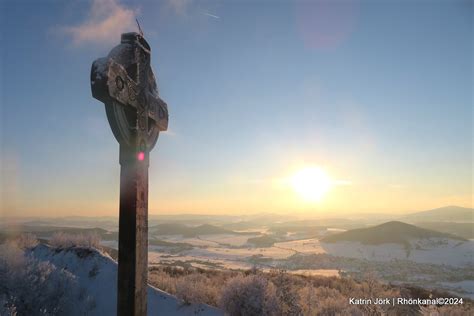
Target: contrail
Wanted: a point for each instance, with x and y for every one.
(211, 15)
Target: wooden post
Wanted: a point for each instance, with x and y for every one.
(133, 234)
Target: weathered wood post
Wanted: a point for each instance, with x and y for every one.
(125, 83)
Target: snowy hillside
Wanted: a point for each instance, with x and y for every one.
(398, 240)
(95, 275)
(440, 251)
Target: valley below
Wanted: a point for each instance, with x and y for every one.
(393, 251)
(448, 267)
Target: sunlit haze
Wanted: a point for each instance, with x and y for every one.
(311, 183)
(289, 107)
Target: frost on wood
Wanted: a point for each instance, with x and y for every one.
(98, 72)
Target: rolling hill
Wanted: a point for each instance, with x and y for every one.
(401, 241)
(447, 213)
(391, 232)
(46, 231)
(465, 230)
(262, 241)
(191, 231)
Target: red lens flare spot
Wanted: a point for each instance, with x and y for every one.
(141, 156)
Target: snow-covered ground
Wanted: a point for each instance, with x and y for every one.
(232, 252)
(434, 251)
(228, 239)
(463, 288)
(302, 246)
(96, 273)
(213, 249)
(219, 256)
(228, 251)
(209, 240)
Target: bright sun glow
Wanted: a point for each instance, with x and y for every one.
(311, 183)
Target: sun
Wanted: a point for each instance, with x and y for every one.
(311, 183)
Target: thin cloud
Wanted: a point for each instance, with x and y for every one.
(106, 20)
(211, 15)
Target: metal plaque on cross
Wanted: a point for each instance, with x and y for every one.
(125, 83)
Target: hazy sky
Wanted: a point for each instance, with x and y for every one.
(376, 93)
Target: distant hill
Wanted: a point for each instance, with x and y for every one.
(169, 229)
(447, 213)
(242, 225)
(108, 223)
(172, 247)
(310, 229)
(390, 232)
(262, 241)
(190, 231)
(44, 231)
(465, 230)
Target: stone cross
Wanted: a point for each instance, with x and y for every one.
(125, 83)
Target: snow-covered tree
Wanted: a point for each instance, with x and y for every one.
(64, 240)
(195, 288)
(32, 287)
(308, 300)
(287, 294)
(250, 295)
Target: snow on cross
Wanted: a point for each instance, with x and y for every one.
(125, 83)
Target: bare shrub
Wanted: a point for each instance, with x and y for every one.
(330, 302)
(192, 285)
(196, 288)
(163, 281)
(308, 300)
(287, 292)
(445, 310)
(63, 240)
(26, 241)
(279, 293)
(250, 295)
